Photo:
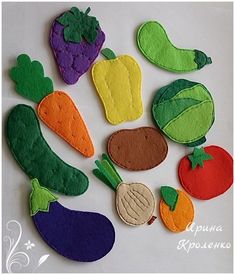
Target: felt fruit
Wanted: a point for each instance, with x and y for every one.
(207, 172)
(55, 108)
(76, 235)
(118, 84)
(137, 149)
(36, 158)
(176, 209)
(134, 201)
(76, 39)
(184, 111)
(155, 45)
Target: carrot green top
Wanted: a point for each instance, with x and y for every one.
(107, 172)
(79, 25)
(30, 80)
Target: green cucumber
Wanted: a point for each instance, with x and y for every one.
(155, 45)
(36, 158)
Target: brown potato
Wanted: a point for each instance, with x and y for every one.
(137, 149)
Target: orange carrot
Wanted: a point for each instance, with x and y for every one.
(59, 113)
(56, 109)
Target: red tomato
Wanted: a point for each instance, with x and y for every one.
(211, 180)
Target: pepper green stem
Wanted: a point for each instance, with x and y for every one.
(198, 157)
(108, 53)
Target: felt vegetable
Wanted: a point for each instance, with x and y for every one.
(176, 209)
(118, 84)
(76, 235)
(137, 149)
(76, 39)
(134, 201)
(207, 172)
(36, 158)
(155, 45)
(56, 109)
(184, 111)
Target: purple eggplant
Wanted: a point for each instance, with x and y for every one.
(76, 39)
(76, 235)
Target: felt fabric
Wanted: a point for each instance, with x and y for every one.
(211, 180)
(40, 198)
(170, 196)
(59, 113)
(118, 84)
(79, 25)
(181, 217)
(135, 203)
(137, 149)
(108, 53)
(76, 235)
(36, 158)
(184, 111)
(155, 45)
(30, 80)
(73, 59)
(198, 157)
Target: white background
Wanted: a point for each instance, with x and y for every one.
(203, 26)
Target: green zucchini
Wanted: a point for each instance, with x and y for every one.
(155, 45)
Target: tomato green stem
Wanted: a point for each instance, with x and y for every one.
(198, 157)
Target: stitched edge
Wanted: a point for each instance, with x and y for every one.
(162, 203)
(187, 110)
(154, 62)
(181, 178)
(136, 129)
(117, 205)
(66, 255)
(58, 132)
(60, 67)
(56, 156)
(93, 73)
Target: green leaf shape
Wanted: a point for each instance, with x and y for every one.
(30, 80)
(201, 59)
(107, 173)
(79, 25)
(108, 53)
(172, 89)
(198, 92)
(166, 111)
(40, 198)
(192, 124)
(198, 157)
(170, 196)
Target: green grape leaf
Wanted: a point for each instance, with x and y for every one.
(79, 25)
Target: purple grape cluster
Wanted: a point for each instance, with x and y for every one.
(73, 59)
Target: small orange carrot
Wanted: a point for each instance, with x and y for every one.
(56, 109)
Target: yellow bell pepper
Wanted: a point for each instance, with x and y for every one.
(118, 83)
